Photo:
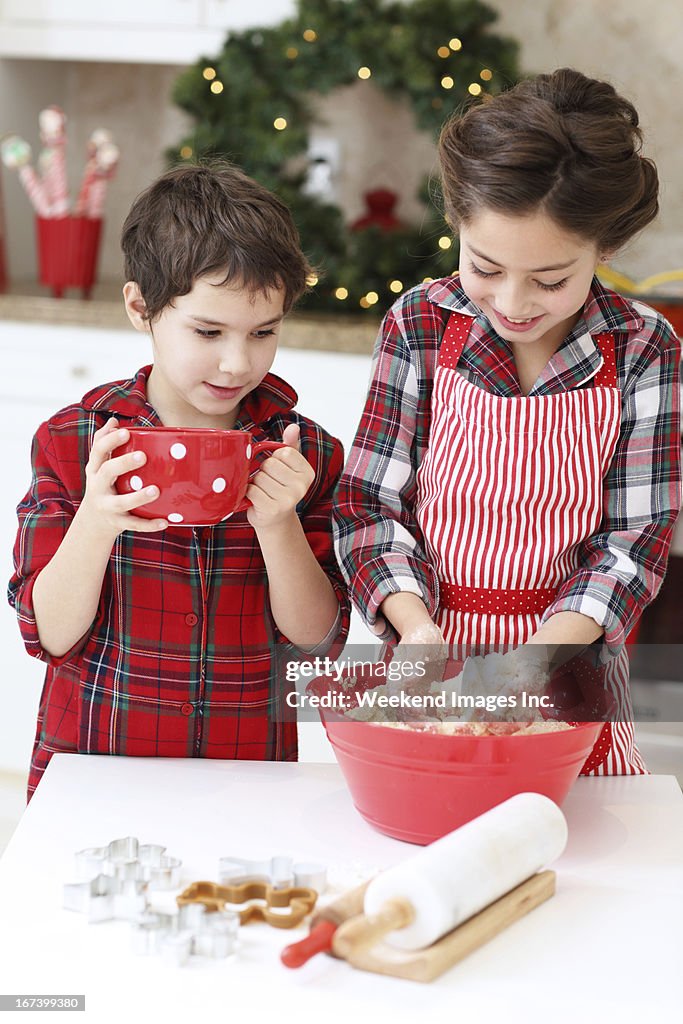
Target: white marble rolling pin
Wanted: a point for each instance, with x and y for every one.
(413, 904)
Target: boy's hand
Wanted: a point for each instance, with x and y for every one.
(107, 511)
(280, 485)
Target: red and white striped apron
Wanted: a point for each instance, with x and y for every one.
(507, 490)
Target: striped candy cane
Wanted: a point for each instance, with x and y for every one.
(52, 123)
(33, 188)
(16, 154)
(106, 162)
(99, 138)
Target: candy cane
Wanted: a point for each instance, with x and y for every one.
(100, 137)
(52, 123)
(106, 162)
(16, 154)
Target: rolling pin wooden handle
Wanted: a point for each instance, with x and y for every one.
(346, 906)
(361, 932)
(323, 926)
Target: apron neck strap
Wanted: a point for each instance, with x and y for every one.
(458, 327)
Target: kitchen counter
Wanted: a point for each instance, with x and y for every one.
(322, 332)
(605, 948)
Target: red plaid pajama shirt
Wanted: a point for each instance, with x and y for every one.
(180, 660)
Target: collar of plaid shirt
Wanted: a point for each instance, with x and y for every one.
(127, 400)
(577, 360)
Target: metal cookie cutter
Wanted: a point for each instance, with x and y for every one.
(128, 859)
(106, 897)
(191, 931)
(263, 901)
(278, 872)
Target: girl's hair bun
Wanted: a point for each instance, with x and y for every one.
(563, 142)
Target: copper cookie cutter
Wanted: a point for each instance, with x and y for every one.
(263, 901)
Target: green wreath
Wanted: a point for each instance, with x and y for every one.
(252, 104)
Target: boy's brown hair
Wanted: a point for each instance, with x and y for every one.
(202, 219)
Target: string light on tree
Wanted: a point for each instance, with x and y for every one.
(312, 280)
(445, 242)
(325, 42)
(474, 89)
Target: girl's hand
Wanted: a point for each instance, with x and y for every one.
(107, 511)
(424, 648)
(280, 485)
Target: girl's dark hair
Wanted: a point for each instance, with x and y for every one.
(562, 142)
(202, 219)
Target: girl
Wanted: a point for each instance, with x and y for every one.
(515, 476)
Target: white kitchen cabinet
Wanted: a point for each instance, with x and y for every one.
(84, 12)
(238, 15)
(43, 370)
(146, 31)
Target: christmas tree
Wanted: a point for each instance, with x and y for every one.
(252, 103)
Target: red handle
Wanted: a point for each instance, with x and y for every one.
(257, 449)
(319, 940)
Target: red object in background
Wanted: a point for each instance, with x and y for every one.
(68, 248)
(380, 203)
(673, 311)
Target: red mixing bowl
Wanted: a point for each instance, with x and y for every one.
(418, 786)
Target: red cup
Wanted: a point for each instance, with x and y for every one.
(202, 474)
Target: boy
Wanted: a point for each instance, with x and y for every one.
(159, 640)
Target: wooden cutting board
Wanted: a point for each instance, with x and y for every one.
(357, 940)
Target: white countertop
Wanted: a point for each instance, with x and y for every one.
(605, 948)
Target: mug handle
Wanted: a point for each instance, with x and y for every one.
(257, 449)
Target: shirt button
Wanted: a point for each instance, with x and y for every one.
(187, 710)
(191, 619)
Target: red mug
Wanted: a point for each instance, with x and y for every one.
(202, 474)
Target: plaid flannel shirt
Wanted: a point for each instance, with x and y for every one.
(180, 659)
(621, 567)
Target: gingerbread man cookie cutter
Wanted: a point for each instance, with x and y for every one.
(263, 901)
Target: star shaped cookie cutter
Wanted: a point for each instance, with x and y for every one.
(128, 859)
(105, 897)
